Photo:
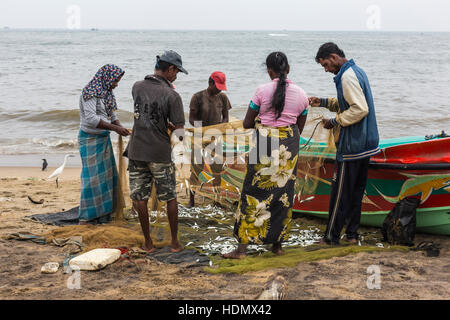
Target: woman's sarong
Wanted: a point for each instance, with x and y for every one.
(265, 210)
(99, 177)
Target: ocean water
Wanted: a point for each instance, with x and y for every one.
(42, 74)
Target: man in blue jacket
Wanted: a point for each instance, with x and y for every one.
(357, 142)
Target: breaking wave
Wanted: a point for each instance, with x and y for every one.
(61, 144)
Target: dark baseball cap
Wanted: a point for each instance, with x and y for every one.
(173, 58)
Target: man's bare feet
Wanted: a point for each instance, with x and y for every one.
(351, 241)
(191, 203)
(148, 247)
(236, 254)
(176, 247)
(324, 242)
(276, 249)
(84, 223)
(148, 250)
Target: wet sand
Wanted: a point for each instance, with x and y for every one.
(410, 275)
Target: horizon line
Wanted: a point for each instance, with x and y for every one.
(6, 28)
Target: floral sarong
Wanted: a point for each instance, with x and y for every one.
(265, 210)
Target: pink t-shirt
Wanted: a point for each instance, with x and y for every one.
(296, 102)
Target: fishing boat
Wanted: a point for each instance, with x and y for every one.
(406, 167)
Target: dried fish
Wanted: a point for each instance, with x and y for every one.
(205, 219)
(195, 226)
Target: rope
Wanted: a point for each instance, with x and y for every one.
(314, 131)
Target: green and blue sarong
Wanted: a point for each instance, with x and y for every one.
(99, 177)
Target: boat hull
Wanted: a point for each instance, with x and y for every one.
(390, 180)
(406, 167)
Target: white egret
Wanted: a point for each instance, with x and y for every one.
(59, 171)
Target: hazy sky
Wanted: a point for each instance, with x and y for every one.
(384, 15)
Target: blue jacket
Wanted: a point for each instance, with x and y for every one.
(358, 138)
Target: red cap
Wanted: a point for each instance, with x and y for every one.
(219, 79)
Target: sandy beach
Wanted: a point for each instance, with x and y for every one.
(404, 275)
(365, 83)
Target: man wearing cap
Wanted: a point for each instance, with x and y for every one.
(208, 107)
(157, 108)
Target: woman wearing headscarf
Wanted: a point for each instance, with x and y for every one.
(265, 209)
(99, 177)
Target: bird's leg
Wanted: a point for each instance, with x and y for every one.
(57, 183)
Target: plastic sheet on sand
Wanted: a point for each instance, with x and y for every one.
(64, 218)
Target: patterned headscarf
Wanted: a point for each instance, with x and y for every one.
(100, 86)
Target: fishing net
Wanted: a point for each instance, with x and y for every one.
(314, 151)
(291, 258)
(229, 144)
(223, 150)
(105, 236)
(209, 228)
(122, 192)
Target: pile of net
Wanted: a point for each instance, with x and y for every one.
(105, 236)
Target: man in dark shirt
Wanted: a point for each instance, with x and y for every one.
(157, 108)
(208, 107)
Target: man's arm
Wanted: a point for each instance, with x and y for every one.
(176, 116)
(178, 131)
(113, 127)
(193, 110)
(120, 130)
(356, 99)
(331, 104)
(354, 96)
(226, 110)
(93, 120)
(225, 115)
